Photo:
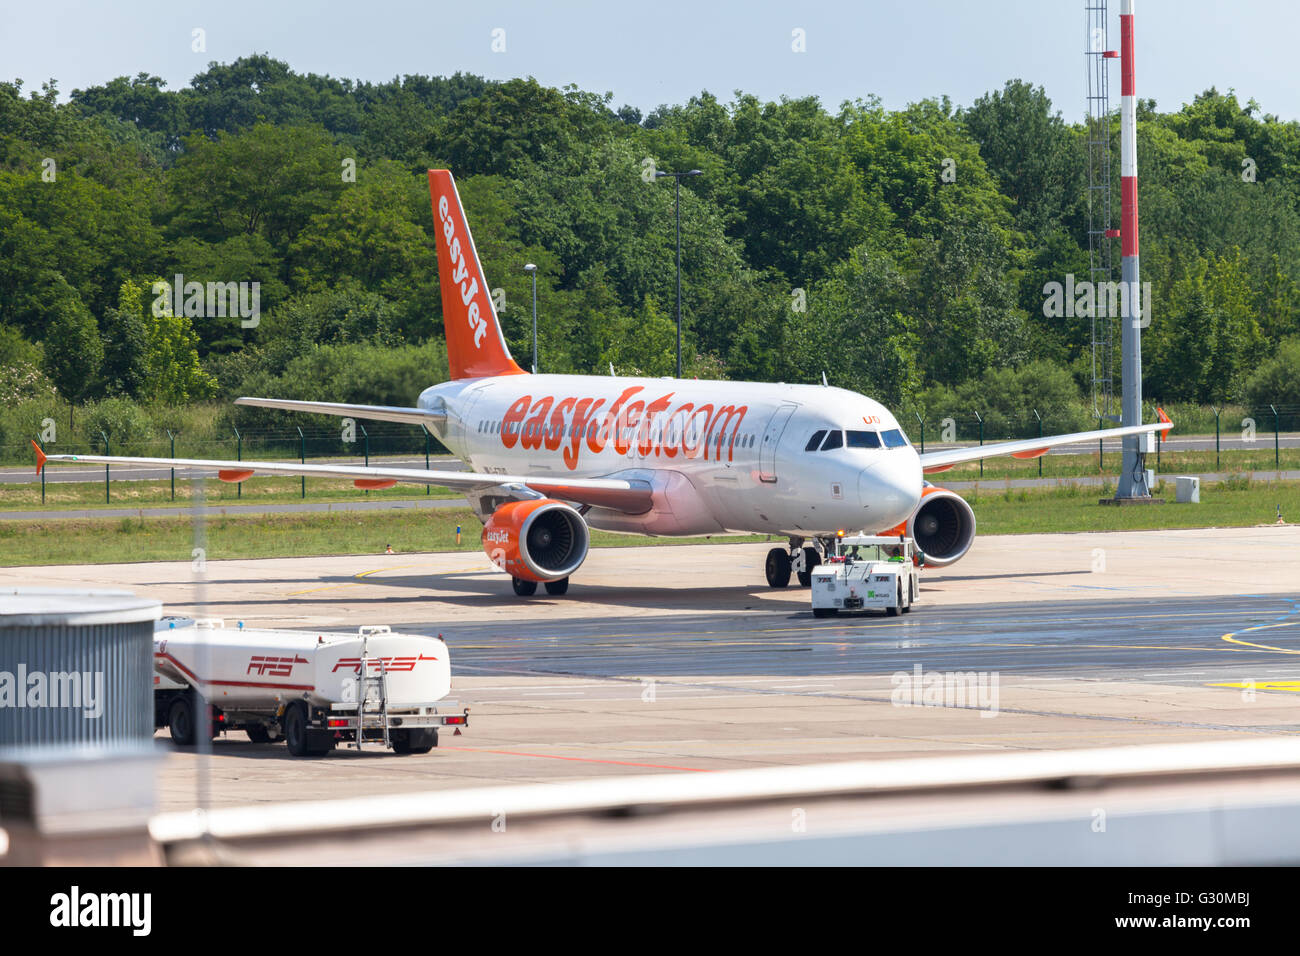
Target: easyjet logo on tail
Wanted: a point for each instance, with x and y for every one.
(656, 428)
(475, 348)
(460, 274)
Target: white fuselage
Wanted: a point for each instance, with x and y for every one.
(721, 456)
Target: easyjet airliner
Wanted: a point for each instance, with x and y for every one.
(551, 456)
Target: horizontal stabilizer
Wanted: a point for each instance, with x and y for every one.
(379, 413)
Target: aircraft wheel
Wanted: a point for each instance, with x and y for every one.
(810, 560)
(523, 588)
(557, 587)
(778, 567)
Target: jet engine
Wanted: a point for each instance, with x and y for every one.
(539, 540)
(943, 526)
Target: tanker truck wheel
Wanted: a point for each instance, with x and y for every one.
(180, 720)
(302, 740)
(258, 733)
(183, 719)
(418, 741)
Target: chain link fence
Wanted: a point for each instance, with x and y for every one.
(1258, 428)
(356, 442)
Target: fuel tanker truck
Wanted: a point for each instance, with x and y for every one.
(314, 691)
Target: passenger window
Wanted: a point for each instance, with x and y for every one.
(816, 441)
(864, 440)
(834, 439)
(894, 438)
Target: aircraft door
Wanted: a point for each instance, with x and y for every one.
(467, 424)
(771, 438)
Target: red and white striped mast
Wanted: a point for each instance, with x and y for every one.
(1133, 478)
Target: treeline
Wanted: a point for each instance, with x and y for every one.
(903, 253)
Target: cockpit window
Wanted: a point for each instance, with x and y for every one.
(834, 439)
(864, 440)
(894, 438)
(816, 441)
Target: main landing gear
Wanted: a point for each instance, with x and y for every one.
(797, 559)
(525, 588)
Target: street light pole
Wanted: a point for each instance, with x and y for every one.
(532, 271)
(677, 204)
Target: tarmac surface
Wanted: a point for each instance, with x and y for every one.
(677, 659)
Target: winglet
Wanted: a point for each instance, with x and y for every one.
(40, 457)
(1160, 413)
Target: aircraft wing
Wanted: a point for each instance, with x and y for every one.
(620, 494)
(382, 413)
(936, 461)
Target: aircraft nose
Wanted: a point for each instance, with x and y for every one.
(891, 489)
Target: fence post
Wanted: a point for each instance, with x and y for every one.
(1101, 465)
(302, 455)
(239, 456)
(1159, 441)
(1277, 458)
(979, 419)
(1217, 411)
(173, 455)
(365, 439)
(1040, 435)
(922, 421)
(106, 454)
(38, 445)
(428, 489)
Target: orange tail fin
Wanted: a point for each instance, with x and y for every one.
(475, 346)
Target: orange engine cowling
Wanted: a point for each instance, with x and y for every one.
(539, 540)
(943, 526)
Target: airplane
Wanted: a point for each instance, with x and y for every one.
(552, 456)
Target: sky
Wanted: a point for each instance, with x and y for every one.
(649, 53)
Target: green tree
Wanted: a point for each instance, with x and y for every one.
(170, 356)
(1277, 379)
(73, 348)
(1030, 150)
(373, 238)
(266, 181)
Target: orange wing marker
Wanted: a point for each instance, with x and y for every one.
(1160, 413)
(40, 457)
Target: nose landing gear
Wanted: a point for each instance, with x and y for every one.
(797, 558)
